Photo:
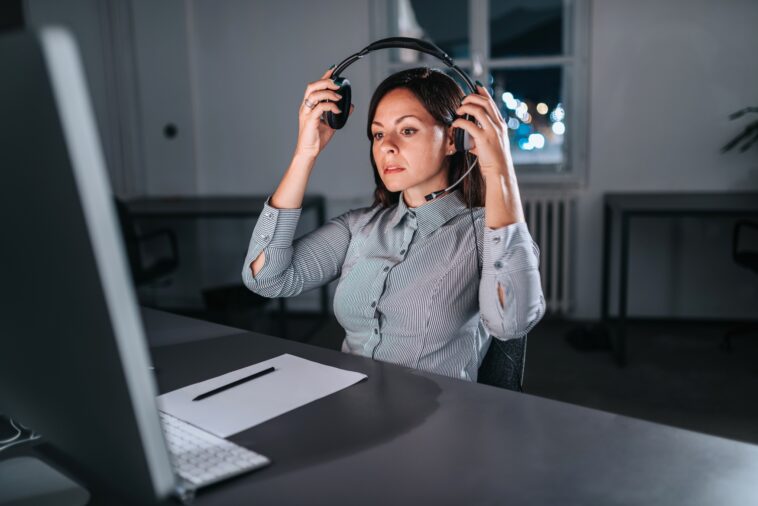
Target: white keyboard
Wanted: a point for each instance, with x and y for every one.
(202, 458)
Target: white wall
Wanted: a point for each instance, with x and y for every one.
(163, 59)
(252, 62)
(664, 78)
(136, 58)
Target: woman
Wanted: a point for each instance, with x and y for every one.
(421, 284)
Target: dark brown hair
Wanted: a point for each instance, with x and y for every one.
(441, 96)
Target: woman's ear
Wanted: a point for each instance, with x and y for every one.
(450, 141)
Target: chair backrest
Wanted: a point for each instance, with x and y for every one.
(503, 365)
(129, 233)
(745, 244)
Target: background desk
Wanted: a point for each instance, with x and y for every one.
(406, 437)
(625, 206)
(211, 206)
(222, 207)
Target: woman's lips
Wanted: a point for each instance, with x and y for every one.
(393, 170)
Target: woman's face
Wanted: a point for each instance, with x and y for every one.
(409, 146)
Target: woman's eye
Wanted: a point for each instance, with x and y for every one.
(408, 131)
(378, 135)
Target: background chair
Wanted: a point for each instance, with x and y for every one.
(745, 256)
(236, 306)
(146, 271)
(503, 365)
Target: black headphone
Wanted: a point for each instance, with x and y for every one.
(461, 138)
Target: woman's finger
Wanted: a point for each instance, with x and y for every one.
(322, 107)
(321, 84)
(480, 114)
(464, 124)
(485, 102)
(321, 96)
(484, 91)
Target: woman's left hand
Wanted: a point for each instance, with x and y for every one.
(490, 132)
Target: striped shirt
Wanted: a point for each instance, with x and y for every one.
(409, 291)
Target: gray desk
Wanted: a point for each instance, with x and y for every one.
(406, 437)
(626, 206)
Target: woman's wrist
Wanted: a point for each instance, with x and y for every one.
(302, 157)
(289, 194)
(502, 200)
(305, 155)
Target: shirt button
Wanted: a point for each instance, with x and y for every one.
(264, 237)
(373, 304)
(402, 252)
(376, 331)
(498, 264)
(496, 239)
(268, 214)
(386, 269)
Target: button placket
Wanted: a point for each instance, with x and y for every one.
(374, 337)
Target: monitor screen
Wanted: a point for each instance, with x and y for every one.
(74, 364)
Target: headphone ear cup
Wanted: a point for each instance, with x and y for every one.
(462, 139)
(334, 120)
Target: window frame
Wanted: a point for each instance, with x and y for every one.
(574, 63)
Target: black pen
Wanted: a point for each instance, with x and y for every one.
(234, 384)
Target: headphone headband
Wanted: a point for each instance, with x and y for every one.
(463, 140)
(419, 45)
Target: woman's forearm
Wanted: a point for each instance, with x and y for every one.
(291, 190)
(502, 200)
(289, 194)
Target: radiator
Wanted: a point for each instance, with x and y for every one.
(549, 216)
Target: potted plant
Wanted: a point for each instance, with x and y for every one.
(748, 136)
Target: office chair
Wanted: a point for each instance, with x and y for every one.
(146, 273)
(236, 306)
(503, 365)
(747, 258)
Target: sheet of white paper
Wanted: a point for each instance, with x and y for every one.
(295, 382)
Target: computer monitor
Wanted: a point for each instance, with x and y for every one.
(74, 364)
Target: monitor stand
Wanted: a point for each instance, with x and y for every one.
(28, 480)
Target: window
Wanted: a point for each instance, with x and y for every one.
(531, 53)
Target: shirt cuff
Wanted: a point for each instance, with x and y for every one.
(276, 227)
(509, 249)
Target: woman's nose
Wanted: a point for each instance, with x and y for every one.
(388, 146)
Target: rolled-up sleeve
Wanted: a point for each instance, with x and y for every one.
(292, 267)
(510, 260)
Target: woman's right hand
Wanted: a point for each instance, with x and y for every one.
(314, 134)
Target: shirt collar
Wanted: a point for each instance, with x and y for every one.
(432, 215)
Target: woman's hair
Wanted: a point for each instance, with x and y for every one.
(441, 96)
